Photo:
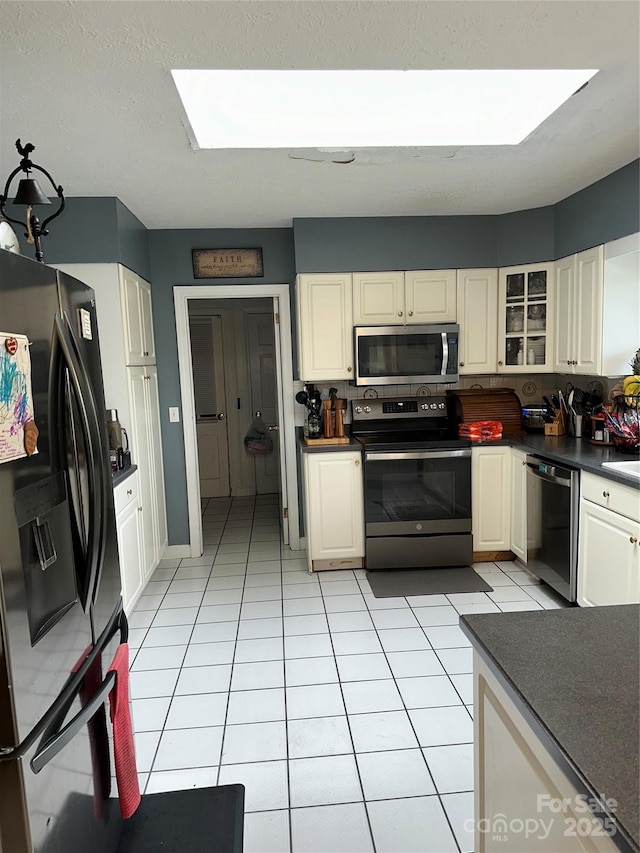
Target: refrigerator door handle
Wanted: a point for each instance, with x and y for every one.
(96, 464)
(54, 744)
(56, 713)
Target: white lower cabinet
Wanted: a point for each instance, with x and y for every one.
(130, 545)
(491, 498)
(609, 550)
(334, 508)
(518, 784)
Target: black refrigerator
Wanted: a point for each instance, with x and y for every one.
(61, 615)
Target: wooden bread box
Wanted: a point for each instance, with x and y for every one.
(466, 405)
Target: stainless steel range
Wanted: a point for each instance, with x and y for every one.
(417, 484)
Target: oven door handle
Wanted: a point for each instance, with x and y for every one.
(373, 456)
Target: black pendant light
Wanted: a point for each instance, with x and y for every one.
(30, 195)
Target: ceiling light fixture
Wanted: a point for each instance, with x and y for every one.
(29, 194)
(371, 109)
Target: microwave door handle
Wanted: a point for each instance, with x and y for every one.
(445, 354)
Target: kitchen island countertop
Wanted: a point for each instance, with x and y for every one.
(574, 674)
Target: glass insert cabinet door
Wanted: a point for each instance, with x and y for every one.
(525, 324)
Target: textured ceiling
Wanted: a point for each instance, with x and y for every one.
(89, 84)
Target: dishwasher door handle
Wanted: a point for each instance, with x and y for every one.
(550, 478)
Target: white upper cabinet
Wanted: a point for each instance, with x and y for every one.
(378, 298)
(430, 296)
(477, 313)
(398, 298)
(579, 282)
(325, 326)
(137, 318)
(525, 319)
(621, 304)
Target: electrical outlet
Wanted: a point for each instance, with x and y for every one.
(174, 414)
(494, 381)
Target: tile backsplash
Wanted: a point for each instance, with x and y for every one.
(530, 388)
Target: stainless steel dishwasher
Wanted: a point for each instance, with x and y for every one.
(552, 524)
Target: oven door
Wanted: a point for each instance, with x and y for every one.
(417, 492)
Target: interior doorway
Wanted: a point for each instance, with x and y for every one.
(247, 334)
(235, 385)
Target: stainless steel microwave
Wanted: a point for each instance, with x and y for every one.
(402, 355)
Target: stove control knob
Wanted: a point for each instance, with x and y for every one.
(367, 410)
(442, 405)
(358, 410)
(433, 406)
(424, 406)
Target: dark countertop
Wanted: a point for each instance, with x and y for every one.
(574, 673)
(118, 476)
(577, 452)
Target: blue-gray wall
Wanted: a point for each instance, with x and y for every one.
(91, 231)
(604, 211)
(170, 253)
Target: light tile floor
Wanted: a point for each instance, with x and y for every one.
(347, 718)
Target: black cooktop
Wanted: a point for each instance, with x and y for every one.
(404, 441)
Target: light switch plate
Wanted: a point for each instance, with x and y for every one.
(174, 414)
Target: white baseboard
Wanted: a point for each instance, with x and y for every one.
(172, 552)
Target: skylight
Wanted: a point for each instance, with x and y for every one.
(370, 109)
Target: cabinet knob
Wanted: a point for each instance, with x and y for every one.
(348, 370)
(411, 313)
(575, 361)
(146, 353)
(524, 462)
(139, 509)
(633, 540)
(357, 461)
(569, 362)
(462, 364)
(499, 364)
(605, 494)
(399, 313)
(129, 491)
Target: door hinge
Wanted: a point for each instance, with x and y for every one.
(277, 319)
(285, 512)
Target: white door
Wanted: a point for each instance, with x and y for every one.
(609, 557)
(211, 421)
(477, 312)
(430, 296)
(325, 326)
(378, 298)
(588, 317)
(157, 470)
(143, 455)
(264, 396)
(565, 315)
